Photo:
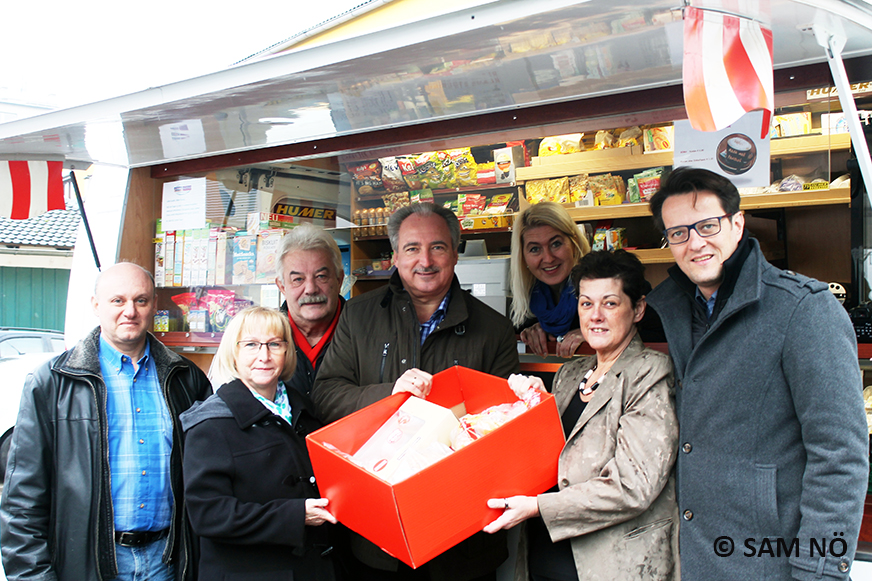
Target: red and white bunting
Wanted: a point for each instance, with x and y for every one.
(727, 69)
(30, 188)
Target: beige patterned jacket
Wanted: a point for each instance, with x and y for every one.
(617, 491)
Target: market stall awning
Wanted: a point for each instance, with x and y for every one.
(500, 56)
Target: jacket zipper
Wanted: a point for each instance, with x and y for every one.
(381, 370)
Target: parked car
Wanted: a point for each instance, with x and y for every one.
(15, 342)
(21, 351)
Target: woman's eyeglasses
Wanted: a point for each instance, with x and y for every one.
(254, 346)
(705, 228)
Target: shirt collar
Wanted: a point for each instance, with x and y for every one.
(113, 357)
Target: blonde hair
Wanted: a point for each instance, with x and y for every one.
(223, 368)
(542, 214)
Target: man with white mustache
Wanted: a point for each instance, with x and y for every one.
(309, 274)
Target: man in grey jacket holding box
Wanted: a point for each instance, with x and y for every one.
(772, 465)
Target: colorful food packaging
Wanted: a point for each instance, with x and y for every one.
(630, 136)
(419, 196)
(395, 201)
(221, 308)
(499, 204)
(658, 138)
(578, 187)
(435, 170)
(367, 178)
(649, 182)
(465, 169)
(392, 177)
(485, 173)
(244, 258)
(409, 172)
(561, 144)
(604, 140)
(609, 239)
(470, 204)
(633, 195)
(555, 190)
(605, 190)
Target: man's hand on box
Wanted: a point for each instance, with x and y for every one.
(414, 381)
(520, 384)
(317, 513)
(516, 509)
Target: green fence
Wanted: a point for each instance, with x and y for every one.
(33, 297)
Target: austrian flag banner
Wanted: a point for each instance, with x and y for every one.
(727, 69)
(30, 188)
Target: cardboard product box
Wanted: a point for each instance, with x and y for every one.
(212, 257)
(506, 160)
(267, 245)
(169, 253)
(258, 221)
(223, 259)
(790, 125)
(159, 261)
(201, 246)
(179, 259)
(484, 222)
(188, 258)
(428, 513)
(244, 258)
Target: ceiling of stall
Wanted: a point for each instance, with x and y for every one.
(503, 55)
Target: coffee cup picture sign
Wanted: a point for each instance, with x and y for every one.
(736, 153)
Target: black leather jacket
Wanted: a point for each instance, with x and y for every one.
(56, 516)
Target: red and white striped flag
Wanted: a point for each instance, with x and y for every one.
(30, 188)
(727, 69)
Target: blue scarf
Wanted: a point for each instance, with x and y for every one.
(555, 319)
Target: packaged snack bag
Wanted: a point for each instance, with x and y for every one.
(604, 140)
(537, 191)
(648, 182)
(409, 171)
(392, 177)
(465, 168)
(367, 178)
(219, 303)
(561, 144)
(486, 173)
(435, 170)
(631, 136)
(577, 187)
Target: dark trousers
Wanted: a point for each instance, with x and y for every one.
(403, 573)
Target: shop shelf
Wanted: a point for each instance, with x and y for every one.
(630, 158)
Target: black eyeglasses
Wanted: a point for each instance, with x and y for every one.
(254, 346)
(705, 228)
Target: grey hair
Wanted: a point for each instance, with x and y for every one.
(307, 236)
(424, 209)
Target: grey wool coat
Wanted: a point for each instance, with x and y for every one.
(773, 431)
(616, 498)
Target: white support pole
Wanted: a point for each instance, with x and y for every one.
(833, 44)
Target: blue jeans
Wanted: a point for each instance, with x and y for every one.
(143, 563)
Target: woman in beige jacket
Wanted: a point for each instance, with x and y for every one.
(612, 515)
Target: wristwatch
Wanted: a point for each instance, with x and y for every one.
(560, 338)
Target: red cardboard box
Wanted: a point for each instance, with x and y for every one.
(430, 512)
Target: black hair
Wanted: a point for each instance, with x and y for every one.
(686, 180)
(620, 264)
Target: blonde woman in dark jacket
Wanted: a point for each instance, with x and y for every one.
(251, 493)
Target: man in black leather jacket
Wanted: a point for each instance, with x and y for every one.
(59, 511)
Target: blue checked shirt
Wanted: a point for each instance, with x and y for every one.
(140, 441)
(435, 318)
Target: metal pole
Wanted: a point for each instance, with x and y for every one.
(833, 43)
(85, 219)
